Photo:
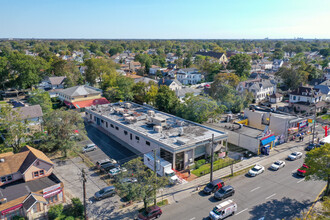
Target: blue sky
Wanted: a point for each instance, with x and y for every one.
(165, 19)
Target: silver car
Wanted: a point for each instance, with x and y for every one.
(277, 165)
(89, 147)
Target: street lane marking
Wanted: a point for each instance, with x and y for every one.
(255, 189)
(192, 218)
(271, 196)
(301, 180)
(241, 211)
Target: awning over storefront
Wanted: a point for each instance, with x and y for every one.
(52, 193)
(11, 209)
(87, 103)
(268, 140)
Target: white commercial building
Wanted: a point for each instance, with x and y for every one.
(143, 129)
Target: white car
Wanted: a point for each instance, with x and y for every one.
(277, 165)
(117, 170)
(89, 147)
(256, 170)
(295, 156)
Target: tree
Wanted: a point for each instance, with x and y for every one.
(27, 70)
(199, 109)
(61, 129)
(55, 211)
(293, 76)
(57, 66)
(117, 87)
(96, 68)
(278, 54)
(187, 62)
(166, 99)
(318, 161)
(223, 83)
(42, 98)
(241, 63)
(4, 71)
(140, 90)
(146, 186)
(152, 94)
(13, 127)
(77, 209)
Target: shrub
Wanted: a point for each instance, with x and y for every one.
(77, 207)
(16, 217)
(55, 211)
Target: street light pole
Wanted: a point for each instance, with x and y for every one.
(211, 173)
(155, 169)
(314, 117)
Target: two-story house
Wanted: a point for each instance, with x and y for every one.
(173, 84)
(189, 76)
(277, 64)
(27, 184)
(221, 57)
(306, 99)
(82, 96)
(260, 88)
(52, 84)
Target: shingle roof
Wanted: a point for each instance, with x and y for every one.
(21, 161)
(31, 199)
(56, 80)
(79, 91)
(210, 54)
(184, 91)
(275, 95)
(304, 89)
(28, 112)
(168, 82)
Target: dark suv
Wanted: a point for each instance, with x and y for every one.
(224, 192)
(150, 213)
(311, 146)
(213, 186)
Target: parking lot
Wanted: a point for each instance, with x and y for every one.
(107, 147)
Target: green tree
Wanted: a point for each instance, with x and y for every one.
(318, 161)
(199, 109)
(241, 63)
(61, 126)
(166, 100)
(77, 209)
(96, 68)
(55, 211)
(278, 54)
(140, 90)
(27, 70)
(152, 94)
(57, 66)
(146, 186)
(42, 98)
(223, 84)
(4, 71)
(13, 127)
(293, 76)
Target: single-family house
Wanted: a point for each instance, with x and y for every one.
(221, 57)
(173, 84)
(189, 76)
(181, 93)
(27, 184)
(277, 64)
(260, 88)
(32, 115)
(275, 98)
(324, 88)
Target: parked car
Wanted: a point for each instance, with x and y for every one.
(295, 156)
(256, 170)
(213, 186)
(116, 171)
(277, 165)
(224, 192)
(105, 192)
(223, 210)
(312, 146)
(129, 180)
(109, 166)
(150, 213)
(89, 147)
(302, 170)
(104, 161)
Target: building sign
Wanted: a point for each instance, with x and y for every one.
(52, 189)
(268, 139)
(302, 124)
(310, 121)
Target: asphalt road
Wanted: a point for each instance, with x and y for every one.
(108, 146)
(273, 195)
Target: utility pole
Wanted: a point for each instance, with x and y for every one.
(211, 173)
(155, 170)
(83, 175)
(314, 116)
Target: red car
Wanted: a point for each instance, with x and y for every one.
(151, 213)
(302, 170)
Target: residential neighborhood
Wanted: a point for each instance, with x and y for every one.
(188, 110)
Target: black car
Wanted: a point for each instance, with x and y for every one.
(109, 166)
(311, 146)
(213, 186)
(224, 192)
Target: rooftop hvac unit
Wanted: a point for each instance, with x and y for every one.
(126, 115)
(128, 105)
(158, 129)
(181, 131)
(179, 122)
(151, 113)
(130, 120)
(181, 142)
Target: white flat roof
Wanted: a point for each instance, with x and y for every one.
(193, 133)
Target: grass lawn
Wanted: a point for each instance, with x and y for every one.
(162, 203)
(326, 117)
(206, 168)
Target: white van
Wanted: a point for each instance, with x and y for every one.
(223, 210)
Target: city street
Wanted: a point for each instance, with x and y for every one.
(272, 195)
